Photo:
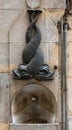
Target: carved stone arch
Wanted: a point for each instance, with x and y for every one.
(33, 103)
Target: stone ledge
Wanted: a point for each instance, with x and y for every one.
(34, 126)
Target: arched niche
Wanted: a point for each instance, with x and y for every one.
(33, 104)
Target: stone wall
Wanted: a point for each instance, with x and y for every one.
(13, 24)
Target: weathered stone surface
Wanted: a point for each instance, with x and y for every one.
(70, 73)
(35, 127)
(53, 54)
(21, 4)
(33, 3)
(4, 126)
(4, 98)
(16, 50)
(54, 86)
(70, 96)
(14, 4)
(70, 31)
(4, 57)
(70, 122)
(53, 4)
(70, 60)
(19, 27)
(7, 19)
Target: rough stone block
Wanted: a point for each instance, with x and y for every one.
(21, 4)
(4, 126)
(35, 127)
(4, 98)
(4, 57)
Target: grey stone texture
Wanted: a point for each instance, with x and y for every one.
(4, 57)
(70, 123)
(7, 18)
(35, 127)
(4, 98)
(70, 31)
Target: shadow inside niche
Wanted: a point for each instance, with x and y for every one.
(33, 104)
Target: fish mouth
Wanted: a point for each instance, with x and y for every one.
(21, 76)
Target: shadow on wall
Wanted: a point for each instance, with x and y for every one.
(33, 104)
